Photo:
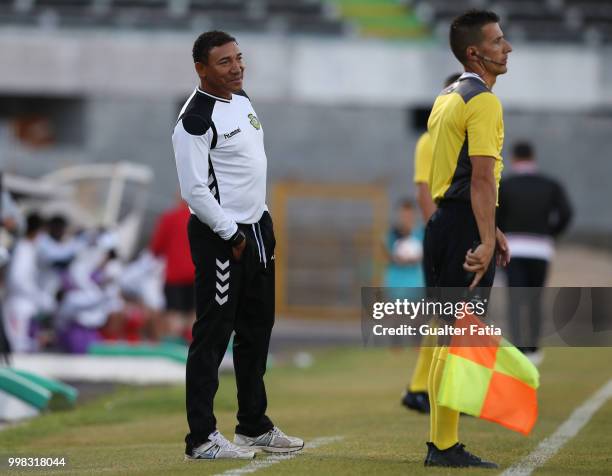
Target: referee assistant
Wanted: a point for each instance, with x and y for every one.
(416, 396)
(221, 163)
(467, 132)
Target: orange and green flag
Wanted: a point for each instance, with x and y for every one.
(487, 377)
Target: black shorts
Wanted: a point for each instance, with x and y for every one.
(180, 297)
(450, 233)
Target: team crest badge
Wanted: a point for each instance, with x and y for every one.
(254, 121)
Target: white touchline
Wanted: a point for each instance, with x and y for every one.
(258, 464)
(568, 429)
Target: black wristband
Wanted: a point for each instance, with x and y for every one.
(237, 238)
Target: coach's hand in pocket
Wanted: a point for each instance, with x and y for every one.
(238, 250)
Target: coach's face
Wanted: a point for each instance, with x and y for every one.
(495, 47)
(224, 71)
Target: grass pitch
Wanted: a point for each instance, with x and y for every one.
(351, 393)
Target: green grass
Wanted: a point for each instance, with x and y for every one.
(353, 393)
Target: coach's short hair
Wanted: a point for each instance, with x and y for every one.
(466, 30)
(207, 41)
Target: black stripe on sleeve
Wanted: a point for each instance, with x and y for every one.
(213, 185)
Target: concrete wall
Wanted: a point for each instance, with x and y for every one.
(324, 71)
(332, 111)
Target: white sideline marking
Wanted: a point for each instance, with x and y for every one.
(258, 464)
(568, 429)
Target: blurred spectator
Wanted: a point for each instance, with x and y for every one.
(170, 242)
(533, 211)
(11, 220)
(10, 215)
(92, 300)
(56, 250)
(404, 249)
(142, 286)
(423, 155)
(416, 396)
(5, 222)
(25, 297)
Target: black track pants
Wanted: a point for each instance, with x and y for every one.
(230, 296)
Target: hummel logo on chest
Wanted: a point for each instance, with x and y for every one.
(232, 134)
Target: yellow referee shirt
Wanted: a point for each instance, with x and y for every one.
(466, 120)
(422, 159)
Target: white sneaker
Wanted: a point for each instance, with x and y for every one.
(218, 447)
(273, 441)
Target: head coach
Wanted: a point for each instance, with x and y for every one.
(221, 163)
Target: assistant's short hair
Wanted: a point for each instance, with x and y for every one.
(207, 41)
(523, 150)
(466, 30)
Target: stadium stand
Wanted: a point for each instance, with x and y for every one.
(531, 20)
(573, 21)
(292, 16)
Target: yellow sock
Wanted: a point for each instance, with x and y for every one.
(418, 383)
(445, 424)
(430, 386)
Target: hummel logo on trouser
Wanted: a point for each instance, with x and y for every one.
(222, 281)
